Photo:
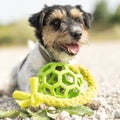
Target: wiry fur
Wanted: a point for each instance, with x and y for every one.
(55, 27)
(50, 37)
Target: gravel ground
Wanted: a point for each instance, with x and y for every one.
(102, 59)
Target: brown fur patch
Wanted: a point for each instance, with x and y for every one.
(75, 13)
(52, 37)
(57, 14)
(84, 38)
(49, 35)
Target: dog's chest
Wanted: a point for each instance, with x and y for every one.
(30, 68)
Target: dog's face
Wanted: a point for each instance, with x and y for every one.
(61, 30)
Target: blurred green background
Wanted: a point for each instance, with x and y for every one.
(106, 26)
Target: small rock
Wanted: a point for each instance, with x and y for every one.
(76, 117)
(101, 109)
(117, 114)
(64, 115)
(109, 109)
(101, 116)
(94, 104)
(118, 100)
(8, 119)
(26, 119)
(43, 106)
(103, 101)
(67, 118)
(51, 109)
(85, 118)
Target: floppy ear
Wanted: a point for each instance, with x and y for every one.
(87, 17)
(36, 20)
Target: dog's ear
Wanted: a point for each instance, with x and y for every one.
(36, 20)
(87, 17)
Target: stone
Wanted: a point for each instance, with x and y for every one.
(117, 114)
(101, 116)
(64, 115)
(76, 117)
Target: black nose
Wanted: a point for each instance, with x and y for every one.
(76, 35)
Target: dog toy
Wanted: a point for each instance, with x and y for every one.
(58, 85)
(59, 80)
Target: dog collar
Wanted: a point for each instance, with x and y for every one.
(45, 54)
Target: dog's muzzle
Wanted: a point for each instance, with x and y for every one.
(76, 32)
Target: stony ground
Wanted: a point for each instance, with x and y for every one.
(102, 59)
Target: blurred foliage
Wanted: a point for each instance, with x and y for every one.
(16, 33)
(116, 17)
(106, 26)
(101, 13)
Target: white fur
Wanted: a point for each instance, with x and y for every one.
(31, 44)
(31, 68)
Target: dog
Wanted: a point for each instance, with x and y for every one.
(60, 30)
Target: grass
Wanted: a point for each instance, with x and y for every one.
(19, 33)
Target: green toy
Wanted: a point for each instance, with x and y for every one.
(59, 85)
(59, 80)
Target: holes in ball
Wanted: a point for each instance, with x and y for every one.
(47, 90)
(60, 68)
(68, 79)
(59, 91)
(51, 78)
(80, 81)
(43, 89)
(73, 92)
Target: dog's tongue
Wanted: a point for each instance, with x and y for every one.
(73, 48)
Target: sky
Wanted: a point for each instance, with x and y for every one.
(13, 10)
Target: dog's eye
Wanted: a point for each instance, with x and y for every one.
(78, 20)
(56, 22)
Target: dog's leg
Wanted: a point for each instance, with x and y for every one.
(12, 81)
(8, 86)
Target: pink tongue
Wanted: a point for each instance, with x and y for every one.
(73, 48)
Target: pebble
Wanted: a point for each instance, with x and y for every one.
(51, 109)
(8, 119)
(101, 116)
(94, 104)
(43, 106)
(117, 114)
(64, 115)
(103, 101)
(106, 107)
(76, 117)
(26, 119)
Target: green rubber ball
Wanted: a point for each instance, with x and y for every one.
(59, 80)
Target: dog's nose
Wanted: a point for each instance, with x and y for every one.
(76, 35)
(76, 32)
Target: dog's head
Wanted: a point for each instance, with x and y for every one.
(61, 29)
